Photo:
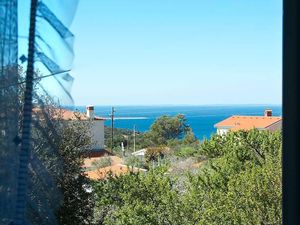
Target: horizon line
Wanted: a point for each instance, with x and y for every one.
(151, 105)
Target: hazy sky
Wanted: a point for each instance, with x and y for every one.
(144, 52)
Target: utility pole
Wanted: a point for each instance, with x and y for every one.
(134, 138)
(112, 128)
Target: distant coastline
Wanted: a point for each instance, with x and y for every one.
(184, 105)
(201, 118)
(126, 118)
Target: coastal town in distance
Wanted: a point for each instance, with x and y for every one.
(126, 148)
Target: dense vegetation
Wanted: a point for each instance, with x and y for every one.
(238, 183)
(59, 190)
(231, 179)
(165, 131)
(125, 136)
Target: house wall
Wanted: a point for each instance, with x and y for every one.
(97, 132)
(221, 131)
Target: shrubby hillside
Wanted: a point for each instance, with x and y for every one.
(238, 181)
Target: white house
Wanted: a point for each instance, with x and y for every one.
(235, 123)
(140, 153)
(97, 128)
(97, 125)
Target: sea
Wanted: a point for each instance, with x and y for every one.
(200, 118)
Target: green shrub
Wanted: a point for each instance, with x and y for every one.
(102, 162)
(186, 151)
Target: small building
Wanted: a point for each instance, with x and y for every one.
(158, 150)
(140, 153)
(97, 126)
(238, 122)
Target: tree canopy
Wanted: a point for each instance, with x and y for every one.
(239, 183)
(166, 128)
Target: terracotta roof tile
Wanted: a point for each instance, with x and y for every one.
(235, 123)
(66, 114)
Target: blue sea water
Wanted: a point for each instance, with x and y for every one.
(200, 118)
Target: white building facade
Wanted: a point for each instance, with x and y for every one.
(97, 128)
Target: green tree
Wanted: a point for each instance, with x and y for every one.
(78, 202)
(60, 146)
(190, 138)
(137, 199)
(240, 183)
(167, 128)
(134, 161)
(125, 136)
(102, 162)
(155, 153)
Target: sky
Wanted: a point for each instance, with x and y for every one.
(177, 52)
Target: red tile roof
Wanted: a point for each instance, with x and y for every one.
(247, 122)
(66, 114)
